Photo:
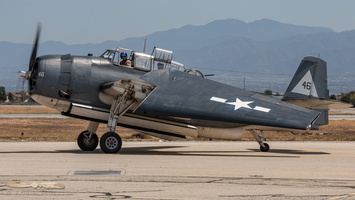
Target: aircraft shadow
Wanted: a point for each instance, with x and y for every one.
(271, 153)
(163, 150)
(292, 151)
(155, 151)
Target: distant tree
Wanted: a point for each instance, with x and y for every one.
(2, 93)
(352, 100)
(278, 94)
(344, 97)
(10, 97)
(333, 96)
(268, 92)
(348, 97)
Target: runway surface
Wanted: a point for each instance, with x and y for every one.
(178, 170)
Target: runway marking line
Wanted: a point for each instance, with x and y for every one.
(343, 196)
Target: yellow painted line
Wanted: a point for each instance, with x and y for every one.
(343, 196)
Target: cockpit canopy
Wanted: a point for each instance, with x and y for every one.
(114, 54)
(158, 59)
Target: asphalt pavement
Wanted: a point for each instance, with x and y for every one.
(178, 170)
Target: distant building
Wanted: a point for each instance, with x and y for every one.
(18, 97)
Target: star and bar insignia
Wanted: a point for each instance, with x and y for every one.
(239, 104)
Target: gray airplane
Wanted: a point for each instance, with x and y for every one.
(159, 97)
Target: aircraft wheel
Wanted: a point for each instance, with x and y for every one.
(87, 144)
(110, 142)
(266, 148)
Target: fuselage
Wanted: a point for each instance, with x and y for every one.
(73, 86)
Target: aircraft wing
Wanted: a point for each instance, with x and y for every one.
(186, 96)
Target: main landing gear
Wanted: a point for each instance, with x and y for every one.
(125, 94)
(110, 142)
(264, 147)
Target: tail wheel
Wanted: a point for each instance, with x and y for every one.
(266, 147)
(110, 142)
(87, 141)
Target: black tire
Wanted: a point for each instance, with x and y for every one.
(85, 144)
(110, 142)
(266, 148)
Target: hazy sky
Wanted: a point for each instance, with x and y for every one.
(95, 21)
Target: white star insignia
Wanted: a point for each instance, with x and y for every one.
(240, 104)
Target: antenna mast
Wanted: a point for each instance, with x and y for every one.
(145, 44)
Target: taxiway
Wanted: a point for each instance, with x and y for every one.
(178, 170)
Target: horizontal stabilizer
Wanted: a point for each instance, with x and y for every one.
(319, 103)
(323, 119)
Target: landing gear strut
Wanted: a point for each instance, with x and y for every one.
(264, 147)
(111, 142)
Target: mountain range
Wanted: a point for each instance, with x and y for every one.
(264, 53)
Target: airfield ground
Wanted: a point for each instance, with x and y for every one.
(161, 170)
(47, 129)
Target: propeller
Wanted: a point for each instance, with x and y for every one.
(34, 48)
(27, 74)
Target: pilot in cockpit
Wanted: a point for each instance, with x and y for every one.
(125, 61)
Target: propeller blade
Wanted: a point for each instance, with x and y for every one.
(34, 49)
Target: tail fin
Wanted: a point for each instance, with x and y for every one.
(309, 81)
(309, 88)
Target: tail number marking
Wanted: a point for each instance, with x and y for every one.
(307, 85)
